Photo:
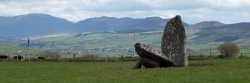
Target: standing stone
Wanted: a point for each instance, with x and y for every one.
(173, 43)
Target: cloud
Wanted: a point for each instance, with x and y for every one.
(192, 11)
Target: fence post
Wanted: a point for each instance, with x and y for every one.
(25, 56)
(210, 55)
(68, 58)
(74, 55)
(205, 57)
(201, 55)
(29, 56)
(92, 57)
(107, 58)
(190, 56)
(121, 57)
(131, 57)
(241, 55)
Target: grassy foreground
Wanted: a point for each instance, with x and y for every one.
(222, 71)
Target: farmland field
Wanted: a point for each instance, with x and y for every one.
(112, 44)
(221, 71)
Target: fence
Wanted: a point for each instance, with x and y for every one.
(204, 57)
(95, 58)
(83, 58)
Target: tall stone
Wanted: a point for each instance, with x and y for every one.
(173, 43)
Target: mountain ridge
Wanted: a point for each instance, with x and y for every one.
(32, 24)
(191, 30)
(105, 23)
(37, 24)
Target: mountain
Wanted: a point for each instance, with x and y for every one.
(205, 24)
(194, 28)
(32, 25)
(228, 32)
(102, 24)
(37, 24)
(116, 24)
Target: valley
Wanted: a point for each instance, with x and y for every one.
(114, 44)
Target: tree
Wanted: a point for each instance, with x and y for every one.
(229, 49)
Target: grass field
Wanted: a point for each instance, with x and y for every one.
(222, 71)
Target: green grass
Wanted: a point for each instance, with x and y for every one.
(222, 71)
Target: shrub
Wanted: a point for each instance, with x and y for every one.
(229, 49)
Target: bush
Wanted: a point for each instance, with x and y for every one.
(228, 49)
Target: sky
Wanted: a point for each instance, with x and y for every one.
(191, 11)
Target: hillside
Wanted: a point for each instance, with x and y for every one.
(37, 25)
(8, 41)
(14, 49)
(207, 37)
(191, 30)
(103, 43)
(117, 24)
(32, 25)
(117, 44)
(229, 32)
(113, 36)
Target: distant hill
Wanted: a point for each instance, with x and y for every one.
(116, 24)
(8, 41)
(37, 24)
(32, 24)
(229, 32)
(191, 30)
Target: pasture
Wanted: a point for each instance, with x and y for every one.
(221, 71)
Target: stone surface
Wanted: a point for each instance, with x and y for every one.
(152, 55)
(138, 64)
(149, 63)
(173, 43)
